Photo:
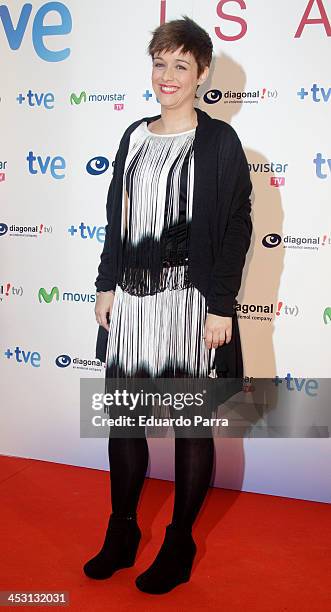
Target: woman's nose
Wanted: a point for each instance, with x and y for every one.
(168, 73)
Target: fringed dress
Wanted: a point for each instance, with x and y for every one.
(157, 319)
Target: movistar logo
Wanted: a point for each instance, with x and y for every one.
(48, 297)
(327, 315)
(77, 99)
(117, 98)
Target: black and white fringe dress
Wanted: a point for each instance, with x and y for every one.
(157, 319)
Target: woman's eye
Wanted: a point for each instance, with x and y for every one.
(161, 66)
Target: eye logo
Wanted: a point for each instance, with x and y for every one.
(77, 99)
(97, 165)
(62, 361)
(212, 96)
(271, 240)
(3, 229)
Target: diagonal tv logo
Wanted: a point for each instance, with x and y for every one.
(16, 34)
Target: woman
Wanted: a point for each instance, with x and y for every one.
(179, 227)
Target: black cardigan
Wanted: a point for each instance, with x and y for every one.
(221, 225)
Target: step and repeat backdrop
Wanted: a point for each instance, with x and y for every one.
(74, 76)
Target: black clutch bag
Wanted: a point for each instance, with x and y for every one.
(102, 340)
(101, 345)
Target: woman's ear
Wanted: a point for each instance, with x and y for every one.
(203, 76)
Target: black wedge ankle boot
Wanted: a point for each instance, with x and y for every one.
(119, 548)
(172, 565)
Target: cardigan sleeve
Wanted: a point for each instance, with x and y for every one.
(104, 281)
(230, 259)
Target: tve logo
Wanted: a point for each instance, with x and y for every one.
(88, 231)
(44, 100)
(55, 165)
(320, 161)
(24, 357)
(39, 30)
(324, 97)
(309, 385)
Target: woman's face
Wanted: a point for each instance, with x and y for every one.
(175, 78)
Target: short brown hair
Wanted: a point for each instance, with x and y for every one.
(186, 34)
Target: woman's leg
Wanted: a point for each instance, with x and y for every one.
(128, 461)
(194, 459)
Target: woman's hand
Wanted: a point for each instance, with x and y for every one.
(217, 330)
(103, 306)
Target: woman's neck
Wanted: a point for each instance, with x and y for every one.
(172, 121)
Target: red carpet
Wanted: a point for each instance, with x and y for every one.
(255, 552)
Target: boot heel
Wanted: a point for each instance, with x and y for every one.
(186, 575)
(130, 556)
(172, 565)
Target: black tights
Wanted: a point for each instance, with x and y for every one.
(128, 460)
